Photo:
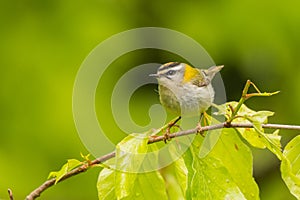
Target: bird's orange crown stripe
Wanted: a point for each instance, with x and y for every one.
(190, 73)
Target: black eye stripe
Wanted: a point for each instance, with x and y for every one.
(168, 66)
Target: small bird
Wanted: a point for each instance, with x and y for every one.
(185, 90)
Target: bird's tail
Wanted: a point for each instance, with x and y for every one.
(211, 72)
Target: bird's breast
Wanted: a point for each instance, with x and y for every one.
(186, 99)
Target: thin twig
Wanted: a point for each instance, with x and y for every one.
(10, 193)
(37, 192)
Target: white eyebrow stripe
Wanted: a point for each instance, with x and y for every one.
(175, 68)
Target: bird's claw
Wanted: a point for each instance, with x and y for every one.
(167, 138)
(200, 130)
(168, 130)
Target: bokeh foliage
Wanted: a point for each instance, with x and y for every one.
(43, 44)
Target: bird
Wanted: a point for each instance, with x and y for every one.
(185, 90)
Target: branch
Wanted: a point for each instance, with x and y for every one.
(37, 192)
(223, 125)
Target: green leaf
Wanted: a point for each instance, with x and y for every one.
(175, 176)
(145, 185)
(129, 180)
(221, 109)
(290, 166)
(225, 173)
(211, 180)
(211, 138)
(106, 184)
(236, 156)
(245, 112)
(130, 153)
(188, 160)
(256, 136)
(148, 186)
(71, 164)
(244, 115)
(272, 141)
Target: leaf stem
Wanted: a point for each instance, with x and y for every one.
(241, 101)
(245, 96)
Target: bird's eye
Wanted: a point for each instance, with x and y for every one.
(171, 72)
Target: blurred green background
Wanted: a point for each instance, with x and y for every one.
(43, 43)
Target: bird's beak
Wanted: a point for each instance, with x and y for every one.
(154, 75)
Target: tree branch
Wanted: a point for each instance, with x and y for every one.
(37, 192)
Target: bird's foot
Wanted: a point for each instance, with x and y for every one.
(199, 129)
(168, 130)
